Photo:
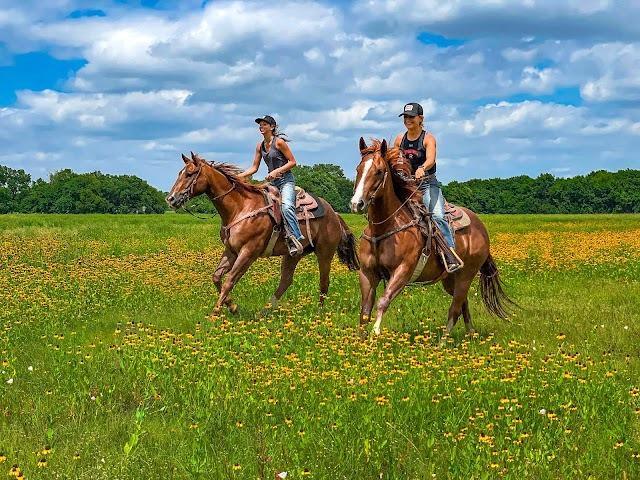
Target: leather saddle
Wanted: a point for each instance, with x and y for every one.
(308, 207)
(457, 217)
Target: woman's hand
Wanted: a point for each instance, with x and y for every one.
(419, 173)
(273, 175)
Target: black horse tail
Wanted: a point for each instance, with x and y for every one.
(347, 247)
(493, 295)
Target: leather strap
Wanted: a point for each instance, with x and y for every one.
(379, 238)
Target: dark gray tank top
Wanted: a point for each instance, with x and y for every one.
(274, 158)
(415, 152)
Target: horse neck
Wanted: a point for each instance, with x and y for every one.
(228, 205)
(386, 207)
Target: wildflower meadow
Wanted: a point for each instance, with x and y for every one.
(110, 367)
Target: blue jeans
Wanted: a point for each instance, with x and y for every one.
(434, 201)
(286, 184)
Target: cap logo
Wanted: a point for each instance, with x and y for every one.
(408, 108)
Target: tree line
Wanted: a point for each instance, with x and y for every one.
(597, 192)
(69, 192)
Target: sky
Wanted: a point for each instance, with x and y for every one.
(509, 87)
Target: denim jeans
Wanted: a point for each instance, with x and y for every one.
(434, 201)
(286, 185)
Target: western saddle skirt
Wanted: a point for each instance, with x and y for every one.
(308, 208)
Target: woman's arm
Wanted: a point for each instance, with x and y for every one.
(430, 147)
(288, 154)
(256, 164)
(398, 141)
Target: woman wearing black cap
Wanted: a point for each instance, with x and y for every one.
(419, 148)
(280, 160)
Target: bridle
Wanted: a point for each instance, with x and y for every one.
(371, 196)
(188, 190)
(381, 184)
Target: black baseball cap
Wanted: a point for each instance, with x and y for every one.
(267, 118)
(412, 110)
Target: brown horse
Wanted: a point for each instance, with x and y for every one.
(392, 244)
(247, 227)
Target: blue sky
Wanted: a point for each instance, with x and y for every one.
(508, 87)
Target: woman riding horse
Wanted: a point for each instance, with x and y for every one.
(250, 228)
(394, 248)
(275, 152)
(419, 147)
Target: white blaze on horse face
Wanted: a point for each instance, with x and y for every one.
(357, 196)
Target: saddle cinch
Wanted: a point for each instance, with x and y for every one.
(308, 207)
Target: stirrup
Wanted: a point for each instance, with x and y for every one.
(451, 267)
(294, 246)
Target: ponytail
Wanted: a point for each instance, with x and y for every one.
(278, 134)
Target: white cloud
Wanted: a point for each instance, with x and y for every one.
(615, 67)
(505, 116)
(539, 80)
(159, 82)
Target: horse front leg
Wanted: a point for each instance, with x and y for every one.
(397, 282)
(225, 264)
(247, 255)
(369, 281)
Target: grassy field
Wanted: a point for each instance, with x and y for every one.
(110, 369)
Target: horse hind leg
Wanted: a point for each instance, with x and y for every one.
(467, 318)
(287, 269)
(324, 266)
(458, 287)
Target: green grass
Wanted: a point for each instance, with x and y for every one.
(129, 374)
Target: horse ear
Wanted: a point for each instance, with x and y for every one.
(196, 159)
(363, 144)
(383, 148)
(185, 159)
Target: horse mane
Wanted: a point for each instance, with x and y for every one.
(404, 183)
(231, 172)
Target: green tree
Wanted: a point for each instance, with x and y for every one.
(14, 184)
(326, 181)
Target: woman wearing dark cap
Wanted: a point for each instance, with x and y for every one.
(279, 159)
(419, 148)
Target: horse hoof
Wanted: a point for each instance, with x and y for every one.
(233, 308)
(362, 333)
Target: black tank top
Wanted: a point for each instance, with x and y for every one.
(415, 152)
(274, 158)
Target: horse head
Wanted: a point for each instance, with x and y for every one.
(190, 182)
(371, 174)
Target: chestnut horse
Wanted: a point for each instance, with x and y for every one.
(392, 244)
(247, 228)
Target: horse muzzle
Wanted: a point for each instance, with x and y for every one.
(175, 201)
(358, 207)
